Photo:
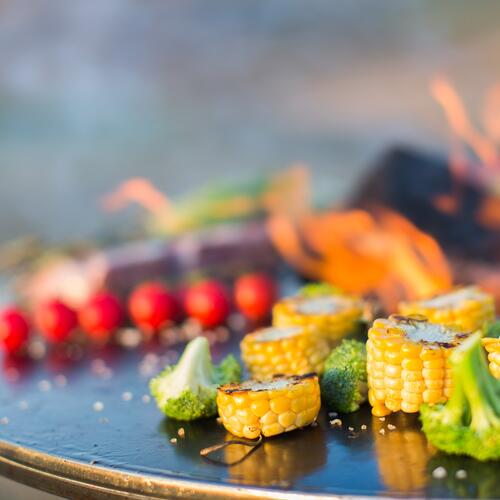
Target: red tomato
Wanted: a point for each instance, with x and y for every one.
(55, 320)
(14, 330)
(254, 295)
(151, 306)
(102, 314)
(208, 302)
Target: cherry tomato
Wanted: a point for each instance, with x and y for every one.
(151, 306)
(14, 330)
(55, 320)
(101, 315)
(254, 295)
(208, 302)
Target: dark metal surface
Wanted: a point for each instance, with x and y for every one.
(52, 437)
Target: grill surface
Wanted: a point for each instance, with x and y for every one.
(56, 440)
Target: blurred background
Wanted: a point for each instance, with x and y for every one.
(186, 92)
(189, 92)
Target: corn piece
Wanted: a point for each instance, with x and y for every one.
(292, 350)
(414, 369)
(287, 404)
(467, 308)
(333, 316)
(492, 346)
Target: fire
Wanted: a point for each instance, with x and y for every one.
(383, 255)
(138, 190)
(464, 133)
(482, 167)
(212, 205)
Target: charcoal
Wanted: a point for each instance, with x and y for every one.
(409, 181)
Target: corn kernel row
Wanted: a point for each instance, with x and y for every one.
(269, 408)
(334, 316)
(292, 350)
(492, 346)
(405, 371)
(467, 308)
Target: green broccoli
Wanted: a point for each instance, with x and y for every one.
(344, 382)
(319, 289)
(469, 423)
(187, 390)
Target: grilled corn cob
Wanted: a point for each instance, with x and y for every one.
(292, 350)
(269, 408)
(402, 453)
(334, 316)
(468, 308)
(406, 363)
(492, 345)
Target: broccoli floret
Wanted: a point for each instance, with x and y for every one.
(319, 289)
(228, 371)
(469, 423)
(187, 390)
(344, 382)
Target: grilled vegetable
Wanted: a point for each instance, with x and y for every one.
(334, 315)
(270, 407)
(344, 381)
(292, 350)
(492, 344)
(469, 423)
(406, 363)
(468, 308)
(188, 390)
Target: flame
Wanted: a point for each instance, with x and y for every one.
(384, 255)
(488, 214)
(283, 190)
(482, 144)
(138, 190)
(483, 169)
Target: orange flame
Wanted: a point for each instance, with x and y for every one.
(488, 214)
(483, 145)
(485, 169)
(138, 190)
(283, 190)
(384, 255)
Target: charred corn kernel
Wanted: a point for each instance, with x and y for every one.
(291, 350)
(287, 404)
(334, 316)
(492, 346)
(402, 452)
(406, 363)
(467, 308)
